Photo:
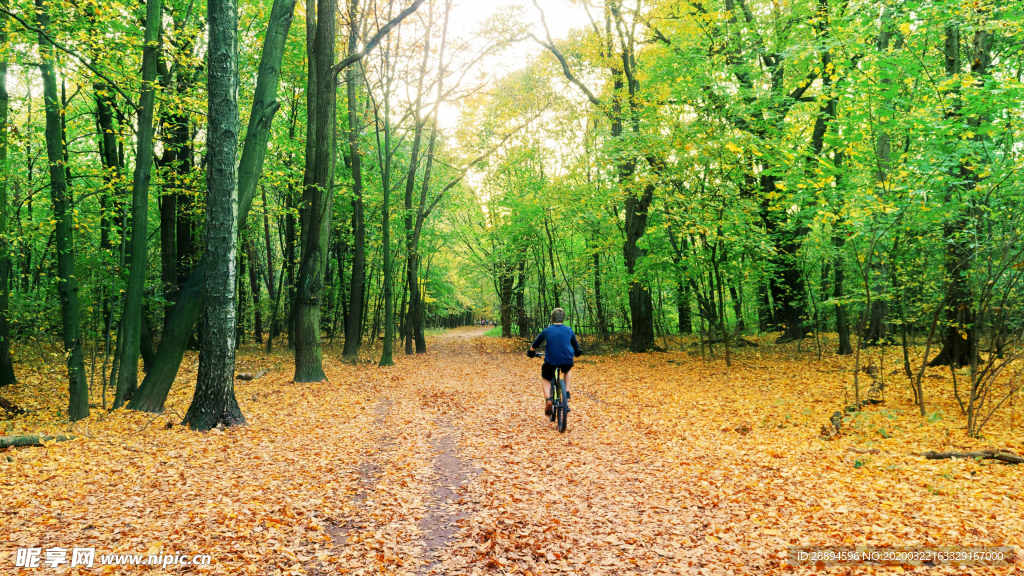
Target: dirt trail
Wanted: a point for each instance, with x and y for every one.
(474, 477)
(445, 464)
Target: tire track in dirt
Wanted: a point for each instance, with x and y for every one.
(452, 473)
(469, 476)
(368, 471)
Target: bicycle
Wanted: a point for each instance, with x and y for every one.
(559, 399)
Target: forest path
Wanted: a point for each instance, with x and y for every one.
(473, 476)
(445, 464)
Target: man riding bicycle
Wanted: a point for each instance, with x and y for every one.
(561, 348)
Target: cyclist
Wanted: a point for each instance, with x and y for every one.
(561, 348)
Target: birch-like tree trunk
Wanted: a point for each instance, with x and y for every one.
(214, 401)
(182, 319)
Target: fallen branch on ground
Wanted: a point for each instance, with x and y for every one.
(11, 407)
(250, 376)
(987, 454)
(31, 440)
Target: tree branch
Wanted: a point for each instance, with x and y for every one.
(357, 56)
(987, 454)
(550, 46)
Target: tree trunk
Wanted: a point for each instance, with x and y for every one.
(214, 402)
(506, 282)
(153, 391)
(683, 308)
(602, 322)
(131, 326)
(240, 277)
(291, 242)
(788, 287)
(737, 308)
(63, 213)
(641, 308)
(842, 322)
(555, 296)
(168, 249)
(269, 276)
(520, 291)
(6, 365)
(422, 210)
(958, 343)
(317, 195)
(110, 203)
(878, 330)
(254, 286)
(354, 320)
(410, 187)
(387, 354)
(146, 348)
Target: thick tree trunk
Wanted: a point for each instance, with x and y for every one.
(958, 343)
(6, 365)
(413, 322)
(878, 329)
(176, 162)
(131, 326)
(317, 195)
(214, 402)
(269, 246)
(641, 307)
(417, 319)
(153, 391)
(175, 166)
(787, 288)
(109, 204)
(67, 282)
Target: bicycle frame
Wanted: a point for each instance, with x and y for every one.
(559, 399)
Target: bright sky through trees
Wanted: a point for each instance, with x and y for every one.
(469, 16)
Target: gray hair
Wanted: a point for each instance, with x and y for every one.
(557, 315)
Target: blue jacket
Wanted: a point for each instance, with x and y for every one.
(561, 344)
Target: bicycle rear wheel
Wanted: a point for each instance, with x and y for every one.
(554, 398)
(562, 407)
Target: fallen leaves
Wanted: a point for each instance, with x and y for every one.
(444, 464)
